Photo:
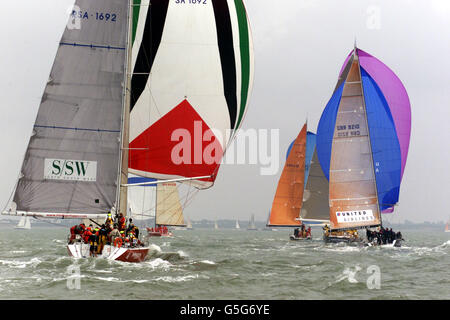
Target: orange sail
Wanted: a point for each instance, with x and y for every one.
(353, 190)
(289, 195)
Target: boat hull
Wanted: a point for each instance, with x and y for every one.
(396, 244)
(159, 234)
(135, 255)
(294, 238)
(340, 239)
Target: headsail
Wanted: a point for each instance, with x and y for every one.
(168, 208)
(315, 196)
(289, 195)
(161, 202)
(72, 160)
(359, 150)
(142, 199)
(193, 73)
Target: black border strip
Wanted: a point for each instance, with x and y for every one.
(227, 56)
(153, 30)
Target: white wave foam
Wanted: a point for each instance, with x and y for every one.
(20, 264)
(177, 279)
(182, 254)
(109, 279)
(159, 263)
(208, 262)
(155, 248)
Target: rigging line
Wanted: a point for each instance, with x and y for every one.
(92, 46)
(77, 129)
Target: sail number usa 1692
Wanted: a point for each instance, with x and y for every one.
(100, 16)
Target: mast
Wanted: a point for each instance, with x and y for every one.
(156, 204)
(122, 202)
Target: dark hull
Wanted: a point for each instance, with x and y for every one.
(341, 239)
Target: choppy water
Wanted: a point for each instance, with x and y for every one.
(226, 264)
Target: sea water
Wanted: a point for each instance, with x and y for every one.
(226, 264)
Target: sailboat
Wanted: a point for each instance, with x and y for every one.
(160, 202)
(237, 227)
(251, 224)
(362, 144)
(24, 223)
(168, 211)
(127, 91)
(447, 226)
(216, 226)
(189, 224)
(301, 195)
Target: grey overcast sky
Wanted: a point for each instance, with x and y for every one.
(300, 46)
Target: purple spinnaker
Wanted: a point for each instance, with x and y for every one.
(396, 97)
(395, 94)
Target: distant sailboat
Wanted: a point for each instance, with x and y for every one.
(362, 144)
(237, 225)
(251, 224)
(24, 223)
(447, 227)
(216, 226)
(159, 201)
(189, 224)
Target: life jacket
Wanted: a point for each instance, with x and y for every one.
(87, 235)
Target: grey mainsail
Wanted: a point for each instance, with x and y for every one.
(72, 161)
(315, 196)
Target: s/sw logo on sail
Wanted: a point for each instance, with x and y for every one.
(76, 170)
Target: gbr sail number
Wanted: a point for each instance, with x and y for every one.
(191, 1)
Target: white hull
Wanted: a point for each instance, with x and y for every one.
(81, 250)
(294, 238)
(395, 244)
